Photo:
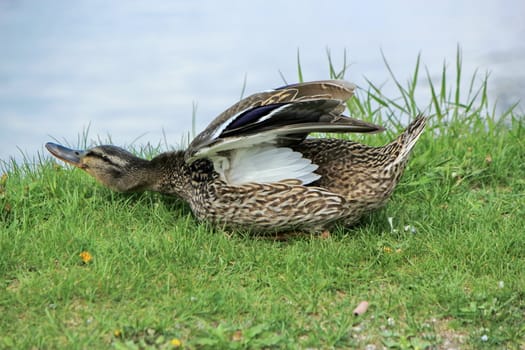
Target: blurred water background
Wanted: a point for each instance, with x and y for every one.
(133, 70)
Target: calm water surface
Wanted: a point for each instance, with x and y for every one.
(134, 69)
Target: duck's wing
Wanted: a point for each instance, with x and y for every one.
(248, 141)
(279, 117)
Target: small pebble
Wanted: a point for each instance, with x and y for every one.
(357, 329)
(410, 228)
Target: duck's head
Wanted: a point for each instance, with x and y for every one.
(113, 166)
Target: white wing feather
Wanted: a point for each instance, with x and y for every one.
(265, 164)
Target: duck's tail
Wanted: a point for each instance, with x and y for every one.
(407, 140)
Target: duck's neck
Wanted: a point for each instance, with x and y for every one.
(167, 173)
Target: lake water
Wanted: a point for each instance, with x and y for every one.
(134, 69)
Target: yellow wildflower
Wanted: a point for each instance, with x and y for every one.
(117, 333)
(176, 342)
(86, 257)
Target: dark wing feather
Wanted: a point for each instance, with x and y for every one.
(251, 116)
(313, 115)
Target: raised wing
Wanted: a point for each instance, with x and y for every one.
(248, 142)
(280, 117)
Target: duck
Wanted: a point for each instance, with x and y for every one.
(256, 168)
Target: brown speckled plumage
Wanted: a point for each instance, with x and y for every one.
(350, 180)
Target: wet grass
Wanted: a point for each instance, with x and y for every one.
(446, 273)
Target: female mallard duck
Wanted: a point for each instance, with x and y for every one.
(254, 168)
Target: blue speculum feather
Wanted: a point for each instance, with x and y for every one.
(252, 115)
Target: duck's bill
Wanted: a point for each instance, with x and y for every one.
(71, 156)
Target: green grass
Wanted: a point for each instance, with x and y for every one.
(158, 276)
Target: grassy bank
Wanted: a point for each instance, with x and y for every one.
(83, 267)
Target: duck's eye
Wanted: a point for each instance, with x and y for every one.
(98, 155)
